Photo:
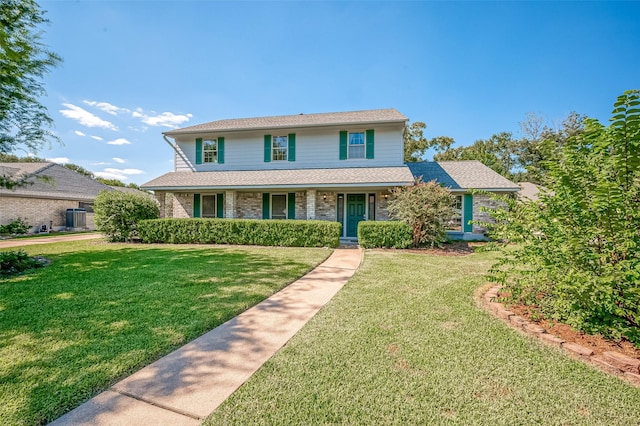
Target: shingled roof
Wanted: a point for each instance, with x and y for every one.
(462, 175)
(373, 116)
(50, 180)
(294, 178)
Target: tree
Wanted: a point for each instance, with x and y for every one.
(81, 170)
(577, 251)
(24, 61)
(425, 207)
(415, 143)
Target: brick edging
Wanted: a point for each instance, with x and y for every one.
(613, 363)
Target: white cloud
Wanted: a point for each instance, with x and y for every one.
(166, 119)
(59, 160)
(120, 174)
(119, 141)
(101, 163)
(119, 160)
(98, 138)
(124, 171)
(85, 118)
(107, 107)
(79, 133)
(109, 175)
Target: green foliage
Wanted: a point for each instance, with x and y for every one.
(286, 233)
(24, 61)
(15, 227)
(577, 253)
(389, 234)
(416, 144)
(424, 207)
(118, 213)
(16, 262)
(80, 169)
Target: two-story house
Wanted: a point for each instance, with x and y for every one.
(329, 166)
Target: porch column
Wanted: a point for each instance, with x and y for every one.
(311, 204)
(230, 204)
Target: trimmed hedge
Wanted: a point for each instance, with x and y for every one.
(389, 234)
(286, 233)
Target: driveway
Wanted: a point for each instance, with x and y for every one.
(46, 240)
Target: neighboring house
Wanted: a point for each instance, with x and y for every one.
(528, 191)
(330, 166)
(50, 191)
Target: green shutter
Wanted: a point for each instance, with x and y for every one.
(199, 151)
(343, 145)
(369, 144)
(265, 205)
(220, 206)
(292, 147)
(291, 205)
(267, 148)
(220, 150)
(467, 215)
(196, 205)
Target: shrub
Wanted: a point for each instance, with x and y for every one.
(118, 213)
(15, 227)
(389, 234)
(577, 251)
(15, 262)
(288, 233)
(424, 207)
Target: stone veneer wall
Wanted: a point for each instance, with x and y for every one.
(482, 200)
(249, 205)
(301, 205)
(38, 211)
(381, 205)
(326, 210)
(182, 205)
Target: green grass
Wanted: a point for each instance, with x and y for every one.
(405, 343)
(101, 311)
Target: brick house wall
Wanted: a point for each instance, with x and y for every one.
(39, 211)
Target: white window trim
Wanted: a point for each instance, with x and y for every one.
(205, 151)
(364, 145)
(273, 148)
(286, 204)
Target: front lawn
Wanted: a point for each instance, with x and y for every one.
(405, 343)
(101, 311)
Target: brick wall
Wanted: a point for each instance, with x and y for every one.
(37, 212)
(249, 205)
(182, 204)
(326, 210)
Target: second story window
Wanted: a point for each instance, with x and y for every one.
(279, 148)
(210, 150)
(356, 145)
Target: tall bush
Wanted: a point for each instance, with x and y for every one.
(118, 213)
(577, 251)
(425, 207)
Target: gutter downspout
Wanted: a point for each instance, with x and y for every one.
(179, 153)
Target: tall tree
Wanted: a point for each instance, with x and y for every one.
(415, 143)
(24, 61)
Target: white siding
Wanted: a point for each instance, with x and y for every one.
(315, 148)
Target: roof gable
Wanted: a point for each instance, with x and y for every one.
(389, 115)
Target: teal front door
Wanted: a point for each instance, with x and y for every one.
(356, 204)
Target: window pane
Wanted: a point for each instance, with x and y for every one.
(356, 138)
(208, 206)
(279, 148)
(278, 207)
(356, 151)
(210, 150)
(455, 223)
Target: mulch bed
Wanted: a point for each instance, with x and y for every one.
(457, 248)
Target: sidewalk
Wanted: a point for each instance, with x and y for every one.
(184, 387)
(18, 242)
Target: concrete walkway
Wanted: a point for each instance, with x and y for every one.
(46, 240)
(187, 385)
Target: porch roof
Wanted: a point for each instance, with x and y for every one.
(292, 178)
(462, 175)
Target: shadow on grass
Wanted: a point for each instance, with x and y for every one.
(92, 317)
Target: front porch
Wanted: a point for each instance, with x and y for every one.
(348, 206)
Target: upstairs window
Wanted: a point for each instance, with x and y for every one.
(279, 148)
(356, 145)
(210, 150)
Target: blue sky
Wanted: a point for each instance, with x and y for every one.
(133, 69)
